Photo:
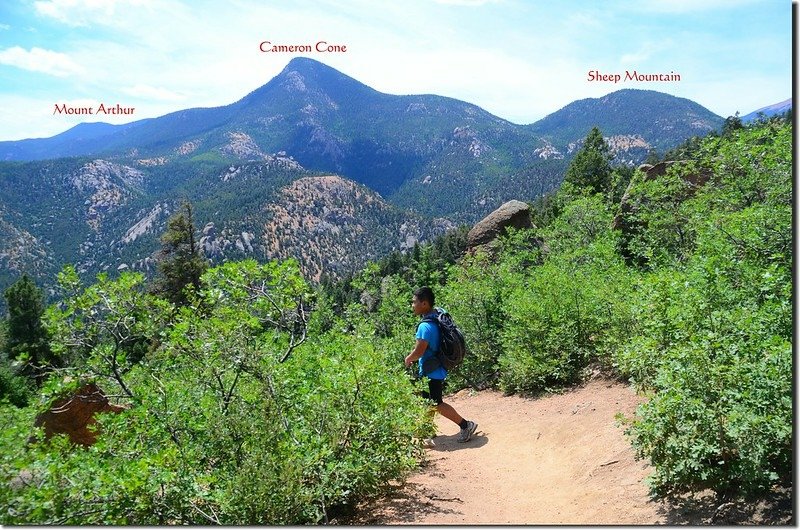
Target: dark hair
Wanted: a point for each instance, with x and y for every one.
(425, 294)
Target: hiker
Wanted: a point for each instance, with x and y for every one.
(425, 352)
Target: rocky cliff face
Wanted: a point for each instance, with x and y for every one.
(20, 251)
(106, 186)
(320, 220)
(627, 149)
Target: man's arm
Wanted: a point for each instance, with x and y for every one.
(417, 352)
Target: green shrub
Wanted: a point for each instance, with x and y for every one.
(572, 309)
(476, 296)
(15, 389)
(712, 338)
(237, 417)
(721, 423)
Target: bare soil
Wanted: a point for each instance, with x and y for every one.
(559, 459)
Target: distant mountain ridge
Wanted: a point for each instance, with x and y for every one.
(769, 110)
(645, 118)
(406, 167)
(410, 149)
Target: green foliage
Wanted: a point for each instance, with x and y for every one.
(718, 363)
(591, 167)
(426, 263)
(394, 317)
(661, 217)
(732, 123)
(383, 289)
(14, 388)
(621, 177)
(569, 312)
(712, 337)
(105, 329)
(236, 415)
(26, 339)
(476, 297)
(133, 475)
(180, 264)
(720, 418)
(544, 209)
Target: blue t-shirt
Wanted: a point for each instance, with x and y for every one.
(429, 331)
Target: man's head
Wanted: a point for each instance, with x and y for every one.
(422, 302)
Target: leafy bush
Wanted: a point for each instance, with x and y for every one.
(718, 360)
(720, 422)
(235, 416)
(476, 296)
(713, 337)
(570, 310)
(14, 388)
(559, 321)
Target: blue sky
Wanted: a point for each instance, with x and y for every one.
(518, 59)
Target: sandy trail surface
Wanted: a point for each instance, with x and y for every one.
(559, 459)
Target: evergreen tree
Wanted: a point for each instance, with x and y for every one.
(591, 167)
(180, 263)
(732, 123)
(25, 335)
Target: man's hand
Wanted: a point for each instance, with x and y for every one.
(417, 352)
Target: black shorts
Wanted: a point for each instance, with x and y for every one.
(435, 390)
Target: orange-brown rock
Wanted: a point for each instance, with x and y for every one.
(514, 214)
(74, 415)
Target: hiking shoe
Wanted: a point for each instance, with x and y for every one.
(466, 432)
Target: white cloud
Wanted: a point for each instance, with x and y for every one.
(5, 27)
(645, 52)
(468, 3)
(40, 60)
(688, 6)
(151, 92)
(83, 12)
(585, 21)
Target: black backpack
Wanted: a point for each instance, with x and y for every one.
(452, 347)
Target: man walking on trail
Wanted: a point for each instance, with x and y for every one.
(424, 351)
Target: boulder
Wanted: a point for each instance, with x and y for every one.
(695, 181)
(653, 172)
(75, 414)
(514, 214)
(624, 222)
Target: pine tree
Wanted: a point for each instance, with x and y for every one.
(25, 335)
(180, 263)
(591, 167)
(732, 123)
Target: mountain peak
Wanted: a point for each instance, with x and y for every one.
(305, 64)
(305, 75)
(769, 110)
(648, 114)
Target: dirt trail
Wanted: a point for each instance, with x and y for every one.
(560, 459)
